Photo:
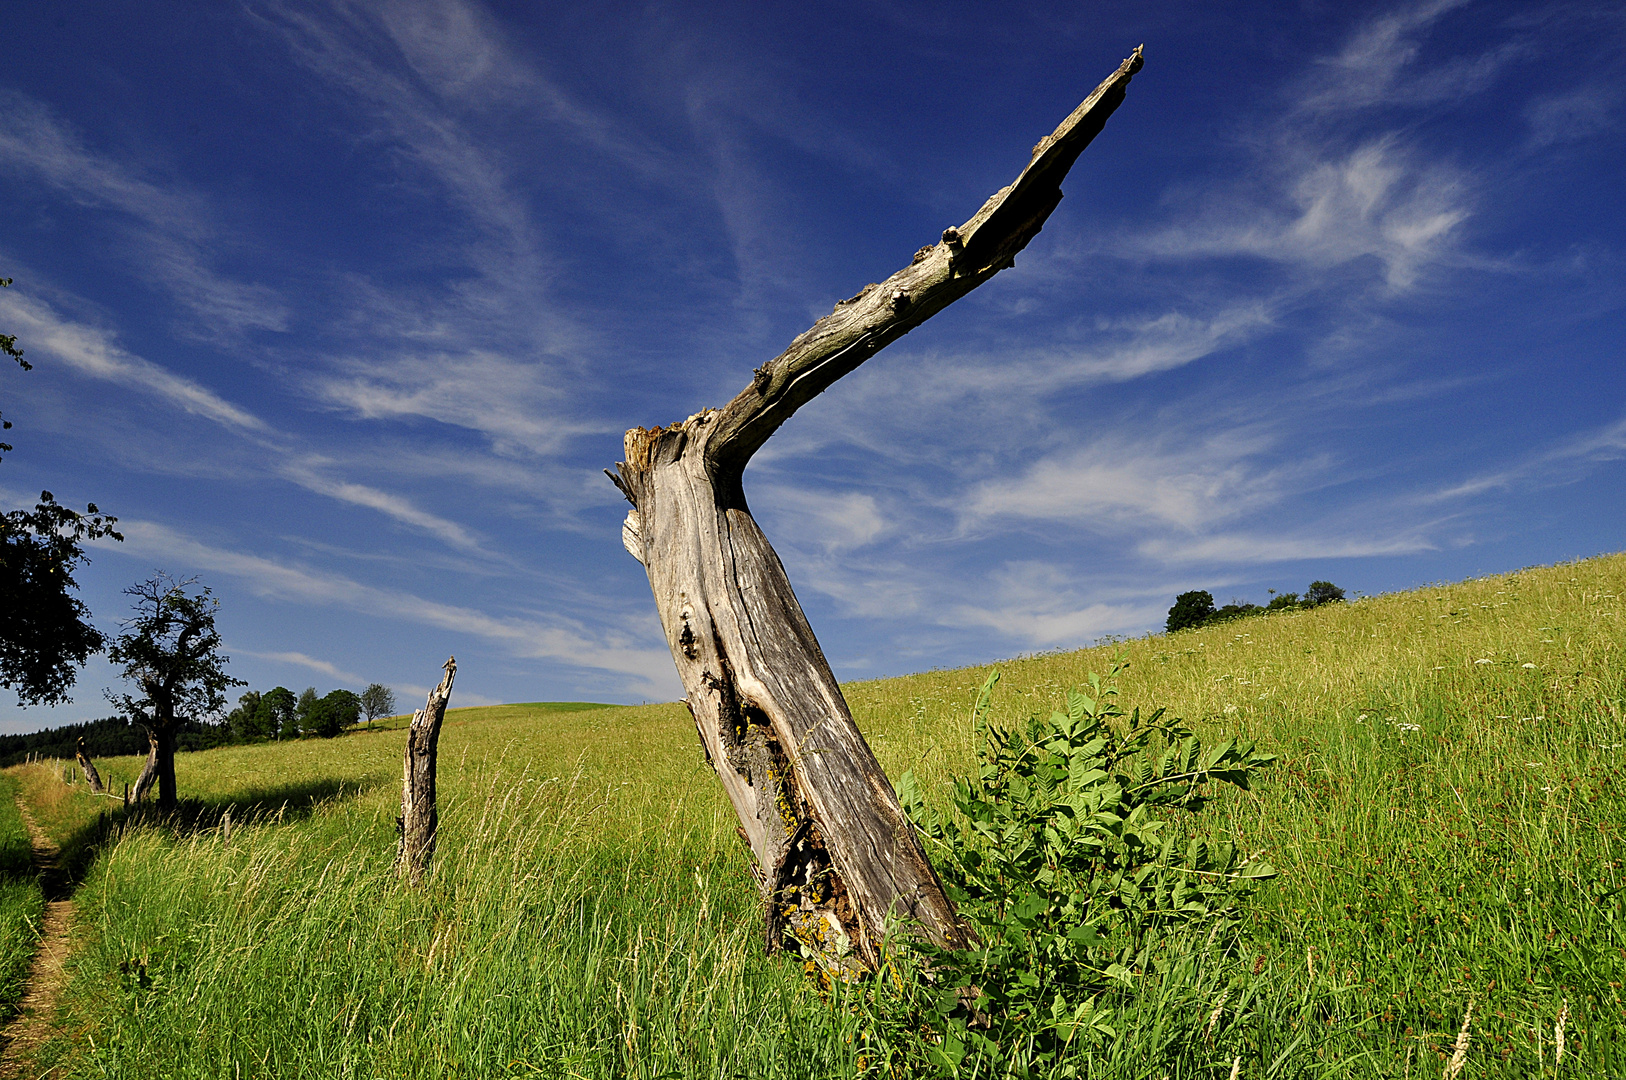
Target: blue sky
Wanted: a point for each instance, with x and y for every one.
(343, 308)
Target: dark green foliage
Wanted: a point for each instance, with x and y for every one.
(333, 713)
(110, 737)
(1323, 592)
(262, 717)
(1190, 609)
(1061, 858)
(257, 718)
(1233, 611)
(278, 712)
(245, 720)
(45, 631)
(305, 710)
(1286, 601)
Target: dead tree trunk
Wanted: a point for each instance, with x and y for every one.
(149, 771)
(419, 819)
(92, 777)
(836, 860)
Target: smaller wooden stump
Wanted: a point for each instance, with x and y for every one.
(419, 819)
(92, 777)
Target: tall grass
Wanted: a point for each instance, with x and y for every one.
(22, 904)
(1447, 815)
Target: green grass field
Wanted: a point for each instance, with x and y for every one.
(1447, 814)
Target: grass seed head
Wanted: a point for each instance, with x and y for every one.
(1459, 1056)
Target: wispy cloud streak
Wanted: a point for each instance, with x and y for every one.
(650, 670)
(92, 352)
(173, 227)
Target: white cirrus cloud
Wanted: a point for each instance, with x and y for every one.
(1113, 483)
(1246, 548)
(1378, 65)
(1040, 605)
(94, 352)
(170, 229)
(520, 407)
(303, 660)
(1562, 463)
(1375, 201)
(832, 521)
(387, 503)
(1576, 115)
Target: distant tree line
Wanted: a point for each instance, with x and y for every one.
(274, 715)
(1196, 608)
(277, 714)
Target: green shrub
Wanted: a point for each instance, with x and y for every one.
(1190, 609)
(1062, 864)
(1322, 592)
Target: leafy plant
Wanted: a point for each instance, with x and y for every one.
(1064, 863)
(1190, 609)
(1323, 592)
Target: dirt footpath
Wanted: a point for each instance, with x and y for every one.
(37, 1009)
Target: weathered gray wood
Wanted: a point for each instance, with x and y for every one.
(420, 819)
(150, 771)
(92, 777)
(835, 858)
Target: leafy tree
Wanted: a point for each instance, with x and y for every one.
(335, 712)
(304, 718)
(1284, 602)
(244, 720)
(45, 632)
(1323, 592)
(280, 707)
(170, 651)
(377, 700)
(1190, 609)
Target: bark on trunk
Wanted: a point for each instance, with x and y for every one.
(92, 777)
(168, 796)
(419, 820)
(836, 860)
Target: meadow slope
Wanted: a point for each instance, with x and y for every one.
(1446, 813)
